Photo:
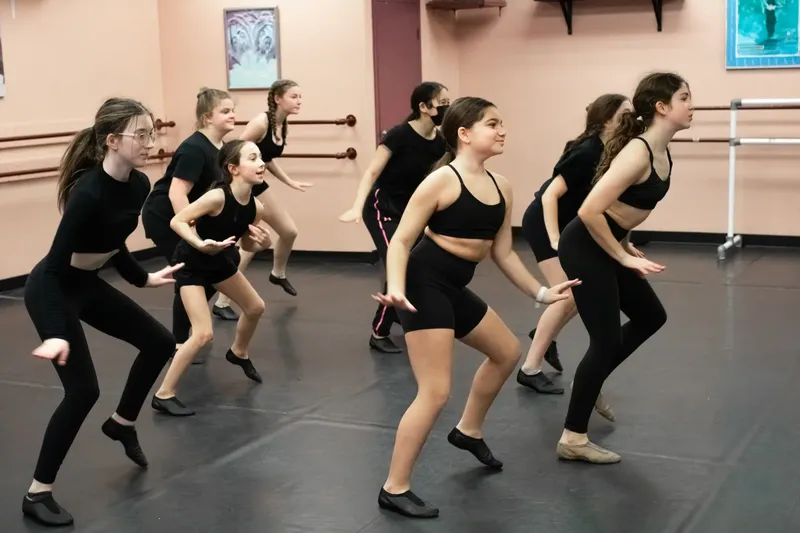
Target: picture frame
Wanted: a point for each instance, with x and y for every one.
(252, 47)
(762, 34)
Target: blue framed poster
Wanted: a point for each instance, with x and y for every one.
(762, 34)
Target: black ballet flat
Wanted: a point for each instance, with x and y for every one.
(246, 364)
(44, 509)
(551, 355)
(282, 283)
(407, 504)
(476, 447)
(127, 436)
(170, 406)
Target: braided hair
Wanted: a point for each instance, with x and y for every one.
(278, 89)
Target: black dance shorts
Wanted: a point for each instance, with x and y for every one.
(203, 269)
(535, 232)
(436, 285)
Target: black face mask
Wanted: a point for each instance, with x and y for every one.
(439, 117)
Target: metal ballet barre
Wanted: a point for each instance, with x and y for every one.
(731, 239)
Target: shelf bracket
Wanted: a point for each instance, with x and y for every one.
(566, 9)
(657, 5)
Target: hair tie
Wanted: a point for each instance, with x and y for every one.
(639, 118)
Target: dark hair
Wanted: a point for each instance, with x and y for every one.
(229, 154)
(207, 100)
(463, 113)
(654, 88)
(278, 89)
(88, 147)
(424, 93)
(598, 113)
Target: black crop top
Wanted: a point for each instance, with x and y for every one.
(269, 151)
(468, 217)
(233, 220)
(100, 214)
(647, 194)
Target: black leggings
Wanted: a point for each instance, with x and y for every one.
(381, 228)
(607, 288)
(166, 241)
(106, 309)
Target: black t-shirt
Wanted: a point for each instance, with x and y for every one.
(195, 161)
(412, 158)
(577, 166)
(99, 216)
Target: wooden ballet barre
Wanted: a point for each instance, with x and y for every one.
(350, 153)
(349, 120)
(749, 107)
(161, 154)
(36, 136)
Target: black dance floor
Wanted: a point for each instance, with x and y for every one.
(706, 424)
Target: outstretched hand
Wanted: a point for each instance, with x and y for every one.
(300, 185)
(642, 266)
(163, 276)
(258, 235)
(558, 292)
(395, 300)
(53, 349)
(212, 247)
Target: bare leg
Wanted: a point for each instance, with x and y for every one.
(196, 304)
(279, 219)
(239, 289)
(431, 355)
(502, 349)
(245, 258)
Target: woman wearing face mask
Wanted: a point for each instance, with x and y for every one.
(403, 159)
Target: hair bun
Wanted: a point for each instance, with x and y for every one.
(203, 90)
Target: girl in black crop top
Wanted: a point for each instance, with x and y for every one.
(554, 206)
(467, 211)
(101, 194)
(225, 214)
(634, 175)
(404, 157)
(190, 173)
(268, 130)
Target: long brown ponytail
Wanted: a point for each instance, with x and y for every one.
(88, 147)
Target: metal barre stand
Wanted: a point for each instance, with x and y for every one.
(733, 241)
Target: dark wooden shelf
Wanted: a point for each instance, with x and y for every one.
(566, 9)
(455, 5)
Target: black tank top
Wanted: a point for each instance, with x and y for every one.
(468, 217)
(647, 194)
(233, 221)
(270, 150)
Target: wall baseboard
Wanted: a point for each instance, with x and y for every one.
(689, 237)
(298, 256)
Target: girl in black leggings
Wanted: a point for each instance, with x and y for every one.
(633, 176)
(467, 211)
(101, 195)
(554, 206)
(190, 173)
(404, 157)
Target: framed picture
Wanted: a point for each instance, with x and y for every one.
(762, 34)
(252, 50)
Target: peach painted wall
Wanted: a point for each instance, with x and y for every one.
(57, 85)
(325, 46)
(542, 79)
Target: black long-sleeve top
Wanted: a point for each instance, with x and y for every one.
(100, 214)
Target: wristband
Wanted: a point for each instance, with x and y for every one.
(540, 295)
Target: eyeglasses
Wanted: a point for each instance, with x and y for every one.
(142, 136)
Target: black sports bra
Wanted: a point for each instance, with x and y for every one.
(647, 194)
(468, 217)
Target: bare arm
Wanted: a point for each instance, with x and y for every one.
(422, 205)
(503, 253)
(627, 168)
(278, 172)
(179, 194)
(211, 202)
(554, 191)
(255, 130)
(376, 166)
